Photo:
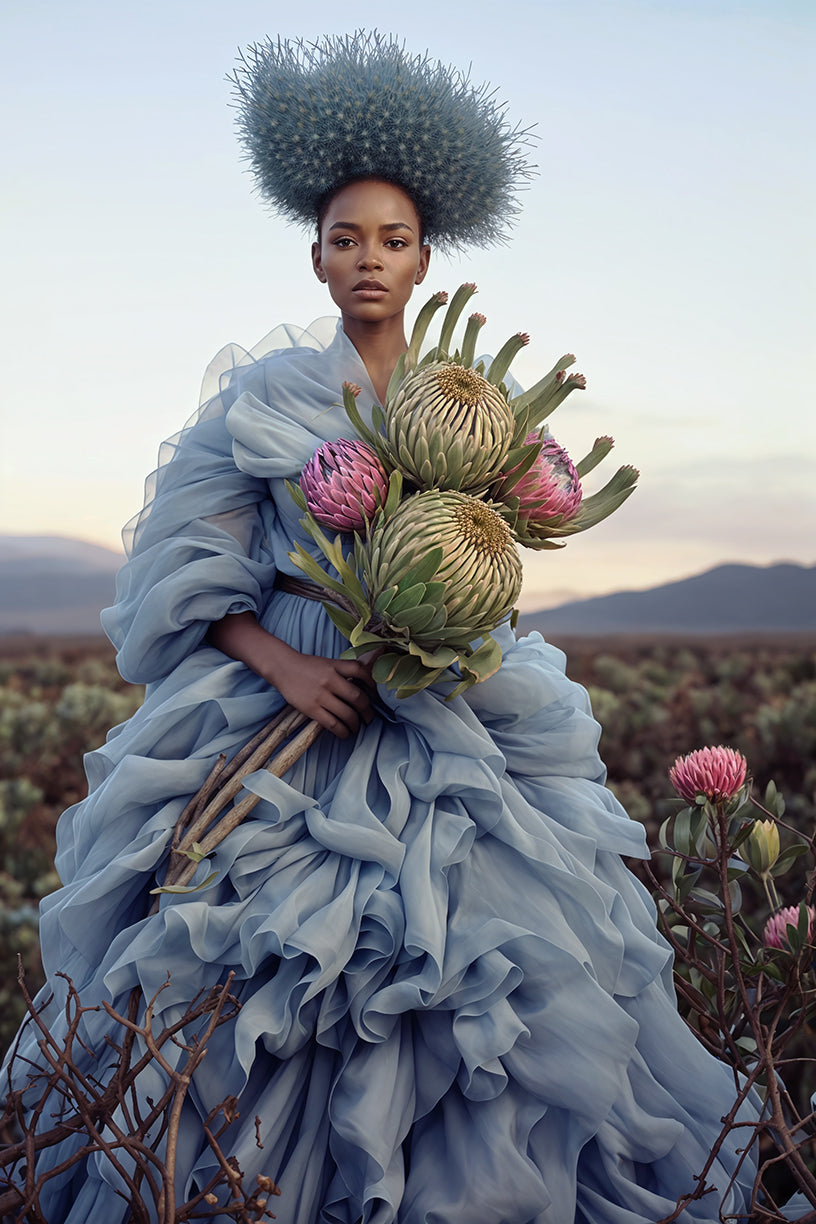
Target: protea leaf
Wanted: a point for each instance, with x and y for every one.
(501, 362)
(457, 304)
(598, 507)
(600, 449)
(546, 387)
(479, 666)
(418, 334)
(467, 354)
(372, 437)
(345, 621)
(442, 657)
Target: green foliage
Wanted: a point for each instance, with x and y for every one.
(56, 703)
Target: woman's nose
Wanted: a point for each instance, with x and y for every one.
(369, 259)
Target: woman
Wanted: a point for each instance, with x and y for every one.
(455, 1005)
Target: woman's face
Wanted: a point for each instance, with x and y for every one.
(370, 252)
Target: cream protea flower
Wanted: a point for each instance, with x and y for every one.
(344, 484)
(718, 773)
(775, 934)
(447, 427)
(474, 585)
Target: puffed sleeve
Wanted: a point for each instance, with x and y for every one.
(196, 552)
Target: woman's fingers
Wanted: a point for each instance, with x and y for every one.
(335, 724)
(360, 674)
(352, 696)
(354, 669)
(339, 702)
(335, 692)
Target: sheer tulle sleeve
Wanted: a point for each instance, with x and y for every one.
(210, 536)
(195, 552)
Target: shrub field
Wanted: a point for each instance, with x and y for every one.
(655, 699)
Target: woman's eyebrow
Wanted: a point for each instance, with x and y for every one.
(389, 225)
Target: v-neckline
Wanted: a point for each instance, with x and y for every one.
(365, 382)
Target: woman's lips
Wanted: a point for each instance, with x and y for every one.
(371, 290)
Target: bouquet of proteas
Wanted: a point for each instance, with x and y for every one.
(427, 507)
(429, 504)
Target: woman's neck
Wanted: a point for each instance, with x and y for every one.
(380, 346)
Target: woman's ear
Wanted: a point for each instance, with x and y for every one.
(317, 264)
(424, 260)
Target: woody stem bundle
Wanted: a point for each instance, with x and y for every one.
(202, 827)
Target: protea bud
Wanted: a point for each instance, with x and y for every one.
(761, 848)
(478, 577)
(344, 484)
(718, 773)
(447, 427)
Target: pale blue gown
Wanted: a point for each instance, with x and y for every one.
(456, 1008)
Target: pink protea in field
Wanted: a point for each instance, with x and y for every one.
(344, 484)
(775, 934)
(718, 773)
(551, 489)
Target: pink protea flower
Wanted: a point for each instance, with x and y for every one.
(551, 489)
(344, 483)
(775, 934)
(718, 773)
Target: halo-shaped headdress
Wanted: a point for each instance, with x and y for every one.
(315, 116)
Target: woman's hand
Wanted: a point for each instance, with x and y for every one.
(336, 693)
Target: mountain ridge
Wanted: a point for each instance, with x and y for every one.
(57, 585)
(730, 598)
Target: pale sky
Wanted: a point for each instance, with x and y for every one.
(667, 241)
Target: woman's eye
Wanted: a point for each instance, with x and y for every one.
(396, 244)
(342, 242)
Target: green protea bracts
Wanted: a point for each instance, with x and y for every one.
(447, 427)
(441, 571)
(476, 580)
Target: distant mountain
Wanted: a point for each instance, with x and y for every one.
(51, 585)
(728, 599)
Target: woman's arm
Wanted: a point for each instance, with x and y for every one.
(334, 692)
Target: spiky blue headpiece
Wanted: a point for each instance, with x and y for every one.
(314, 116)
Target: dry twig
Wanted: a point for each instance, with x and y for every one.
(92, 1109)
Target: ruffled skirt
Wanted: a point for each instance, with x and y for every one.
(455, 1007)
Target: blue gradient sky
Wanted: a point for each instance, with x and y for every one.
(668, 241)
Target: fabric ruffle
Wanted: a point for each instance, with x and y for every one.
(455, 1006)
